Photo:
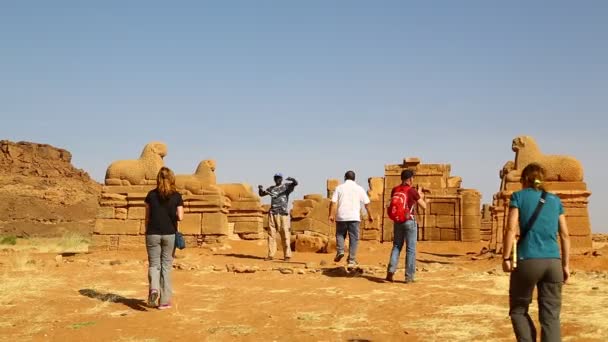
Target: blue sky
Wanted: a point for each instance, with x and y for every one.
(310, 88)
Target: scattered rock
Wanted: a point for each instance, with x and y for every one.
(286, 270)
(301, 271)
(115, 262)
(597, 253)
(218, 268)
(323, 263)
(229, 267)
(59, 258)
(309, 243)
(309, 265)
(492, 272)
(424, 270)
(595, 288)
(245, 269)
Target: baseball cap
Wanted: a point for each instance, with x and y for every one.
(278, 174)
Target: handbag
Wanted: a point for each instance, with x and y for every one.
(180, 242)
(529, 225)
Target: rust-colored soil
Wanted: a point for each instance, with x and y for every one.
(100, 297)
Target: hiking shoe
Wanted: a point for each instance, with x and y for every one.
(164, 306)
(389, 276)
(268, 258)
(287, 259)
(339, 257)
(352, 264)
(409, 281)
(152, 298)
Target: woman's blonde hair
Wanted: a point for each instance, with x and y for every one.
(165, 182)
(533, 176)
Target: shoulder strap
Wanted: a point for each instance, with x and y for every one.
(530, 224)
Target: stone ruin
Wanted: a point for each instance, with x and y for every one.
(564, 178)
(453, 213)
(212, 212)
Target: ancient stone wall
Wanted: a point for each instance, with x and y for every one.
(452, 214)
(212, 212)
(564, 179)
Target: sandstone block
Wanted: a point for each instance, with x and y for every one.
(191, 224)
(113, 203)
(105, 213)
(113, 226)
(449, 235)
(572, 211)
(136, 213)
(248, 227)
(578, 224)
(429, 221)
(214, 224)
(471, 221)
(471, 235)
(581, 241)
(442, 208)
(447, 221)
(431, 234)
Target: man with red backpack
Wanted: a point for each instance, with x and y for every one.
(401, 210)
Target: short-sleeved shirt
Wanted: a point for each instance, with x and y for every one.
(540, 241)
(412, 196)
(279, 198)
(162, 213)
(349, 197)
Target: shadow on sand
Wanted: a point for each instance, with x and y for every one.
(241, 256)
(135, 304)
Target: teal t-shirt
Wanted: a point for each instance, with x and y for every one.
(541, 241)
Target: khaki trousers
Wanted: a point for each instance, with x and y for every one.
(279, 223)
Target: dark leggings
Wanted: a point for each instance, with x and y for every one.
(547, 276)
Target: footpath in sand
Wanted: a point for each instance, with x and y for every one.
(231, 293)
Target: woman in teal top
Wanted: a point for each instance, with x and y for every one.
(538, 258)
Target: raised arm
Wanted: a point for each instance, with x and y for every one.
(293, 181)
(261, 191)
(564, 236)
(421, 201)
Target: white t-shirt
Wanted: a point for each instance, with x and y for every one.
(349, 197)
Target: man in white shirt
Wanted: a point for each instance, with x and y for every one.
(348, 198)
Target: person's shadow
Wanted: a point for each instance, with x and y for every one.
(242, 256)
(135, 304)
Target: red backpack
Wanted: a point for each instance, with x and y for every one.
(398, 210)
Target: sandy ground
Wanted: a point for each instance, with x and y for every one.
(100, 296)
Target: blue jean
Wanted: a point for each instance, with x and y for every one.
(160, 261)
(352, 228)
(406, 232)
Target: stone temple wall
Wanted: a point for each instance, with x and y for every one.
(212, 212)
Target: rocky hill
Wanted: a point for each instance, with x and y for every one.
(42, 193)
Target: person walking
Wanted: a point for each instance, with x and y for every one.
(404, 199)
(278, 216)
(164, 208)
(345, 212)
(541, 217)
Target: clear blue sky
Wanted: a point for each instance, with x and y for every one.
(310, 88)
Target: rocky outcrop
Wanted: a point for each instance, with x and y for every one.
(42, 193)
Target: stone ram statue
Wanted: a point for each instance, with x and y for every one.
(558, 167)
(140, 171)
